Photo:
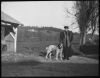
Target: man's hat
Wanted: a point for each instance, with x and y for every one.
(66, 27)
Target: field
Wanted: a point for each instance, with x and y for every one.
(36, 41)
(33, 43)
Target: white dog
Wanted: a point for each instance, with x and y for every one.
(52, 48)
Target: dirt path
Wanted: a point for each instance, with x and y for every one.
(74, 59)
(33, 65)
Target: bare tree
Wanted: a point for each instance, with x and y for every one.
(87, 16)
(94, 17)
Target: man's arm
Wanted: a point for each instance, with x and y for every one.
(72, 37)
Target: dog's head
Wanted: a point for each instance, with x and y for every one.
(60, 46)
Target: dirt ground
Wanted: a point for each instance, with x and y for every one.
(39, 66)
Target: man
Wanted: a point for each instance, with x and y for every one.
(66, 38)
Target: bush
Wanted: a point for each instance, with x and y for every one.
(89, 48)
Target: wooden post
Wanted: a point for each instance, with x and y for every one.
(16, 40)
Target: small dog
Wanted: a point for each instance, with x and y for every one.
(51, 48)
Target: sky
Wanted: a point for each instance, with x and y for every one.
(40, 13)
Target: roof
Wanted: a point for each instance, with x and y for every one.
(8, 18)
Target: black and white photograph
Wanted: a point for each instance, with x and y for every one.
(49, 38)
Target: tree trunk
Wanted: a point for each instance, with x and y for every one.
(82, 38)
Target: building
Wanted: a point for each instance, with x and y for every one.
(8, 33)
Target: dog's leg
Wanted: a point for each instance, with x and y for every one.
(50, 55)
(47, 54)
(57, 54)
(61, 56)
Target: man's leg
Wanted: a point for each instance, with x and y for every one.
(64, 52)
(67, 58)
(67, 53)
